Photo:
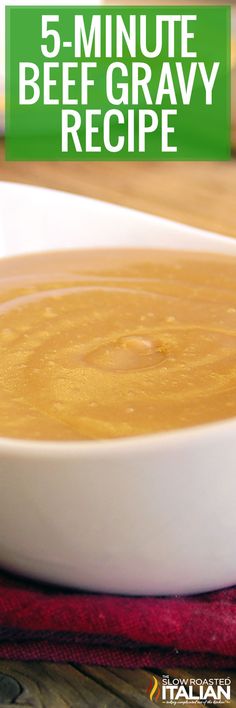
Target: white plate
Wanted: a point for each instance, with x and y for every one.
(154, 514)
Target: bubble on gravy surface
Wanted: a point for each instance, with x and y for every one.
(101, 344)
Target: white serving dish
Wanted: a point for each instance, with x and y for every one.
(147, 515)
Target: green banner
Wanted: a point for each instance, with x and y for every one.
(130, 83)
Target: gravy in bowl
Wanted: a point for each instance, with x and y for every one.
(98, 344)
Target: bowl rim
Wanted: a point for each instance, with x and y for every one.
(219, 237)
(153, 441)
(80, 449)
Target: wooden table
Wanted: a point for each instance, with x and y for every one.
(202, 194)
(41, 685)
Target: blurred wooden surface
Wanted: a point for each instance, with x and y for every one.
(44, 685)
(202, 194)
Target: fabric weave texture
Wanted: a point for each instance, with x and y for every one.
(53, 624)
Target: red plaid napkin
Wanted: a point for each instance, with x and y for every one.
(53, 624)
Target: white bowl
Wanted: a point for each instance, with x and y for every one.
(147, 515)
